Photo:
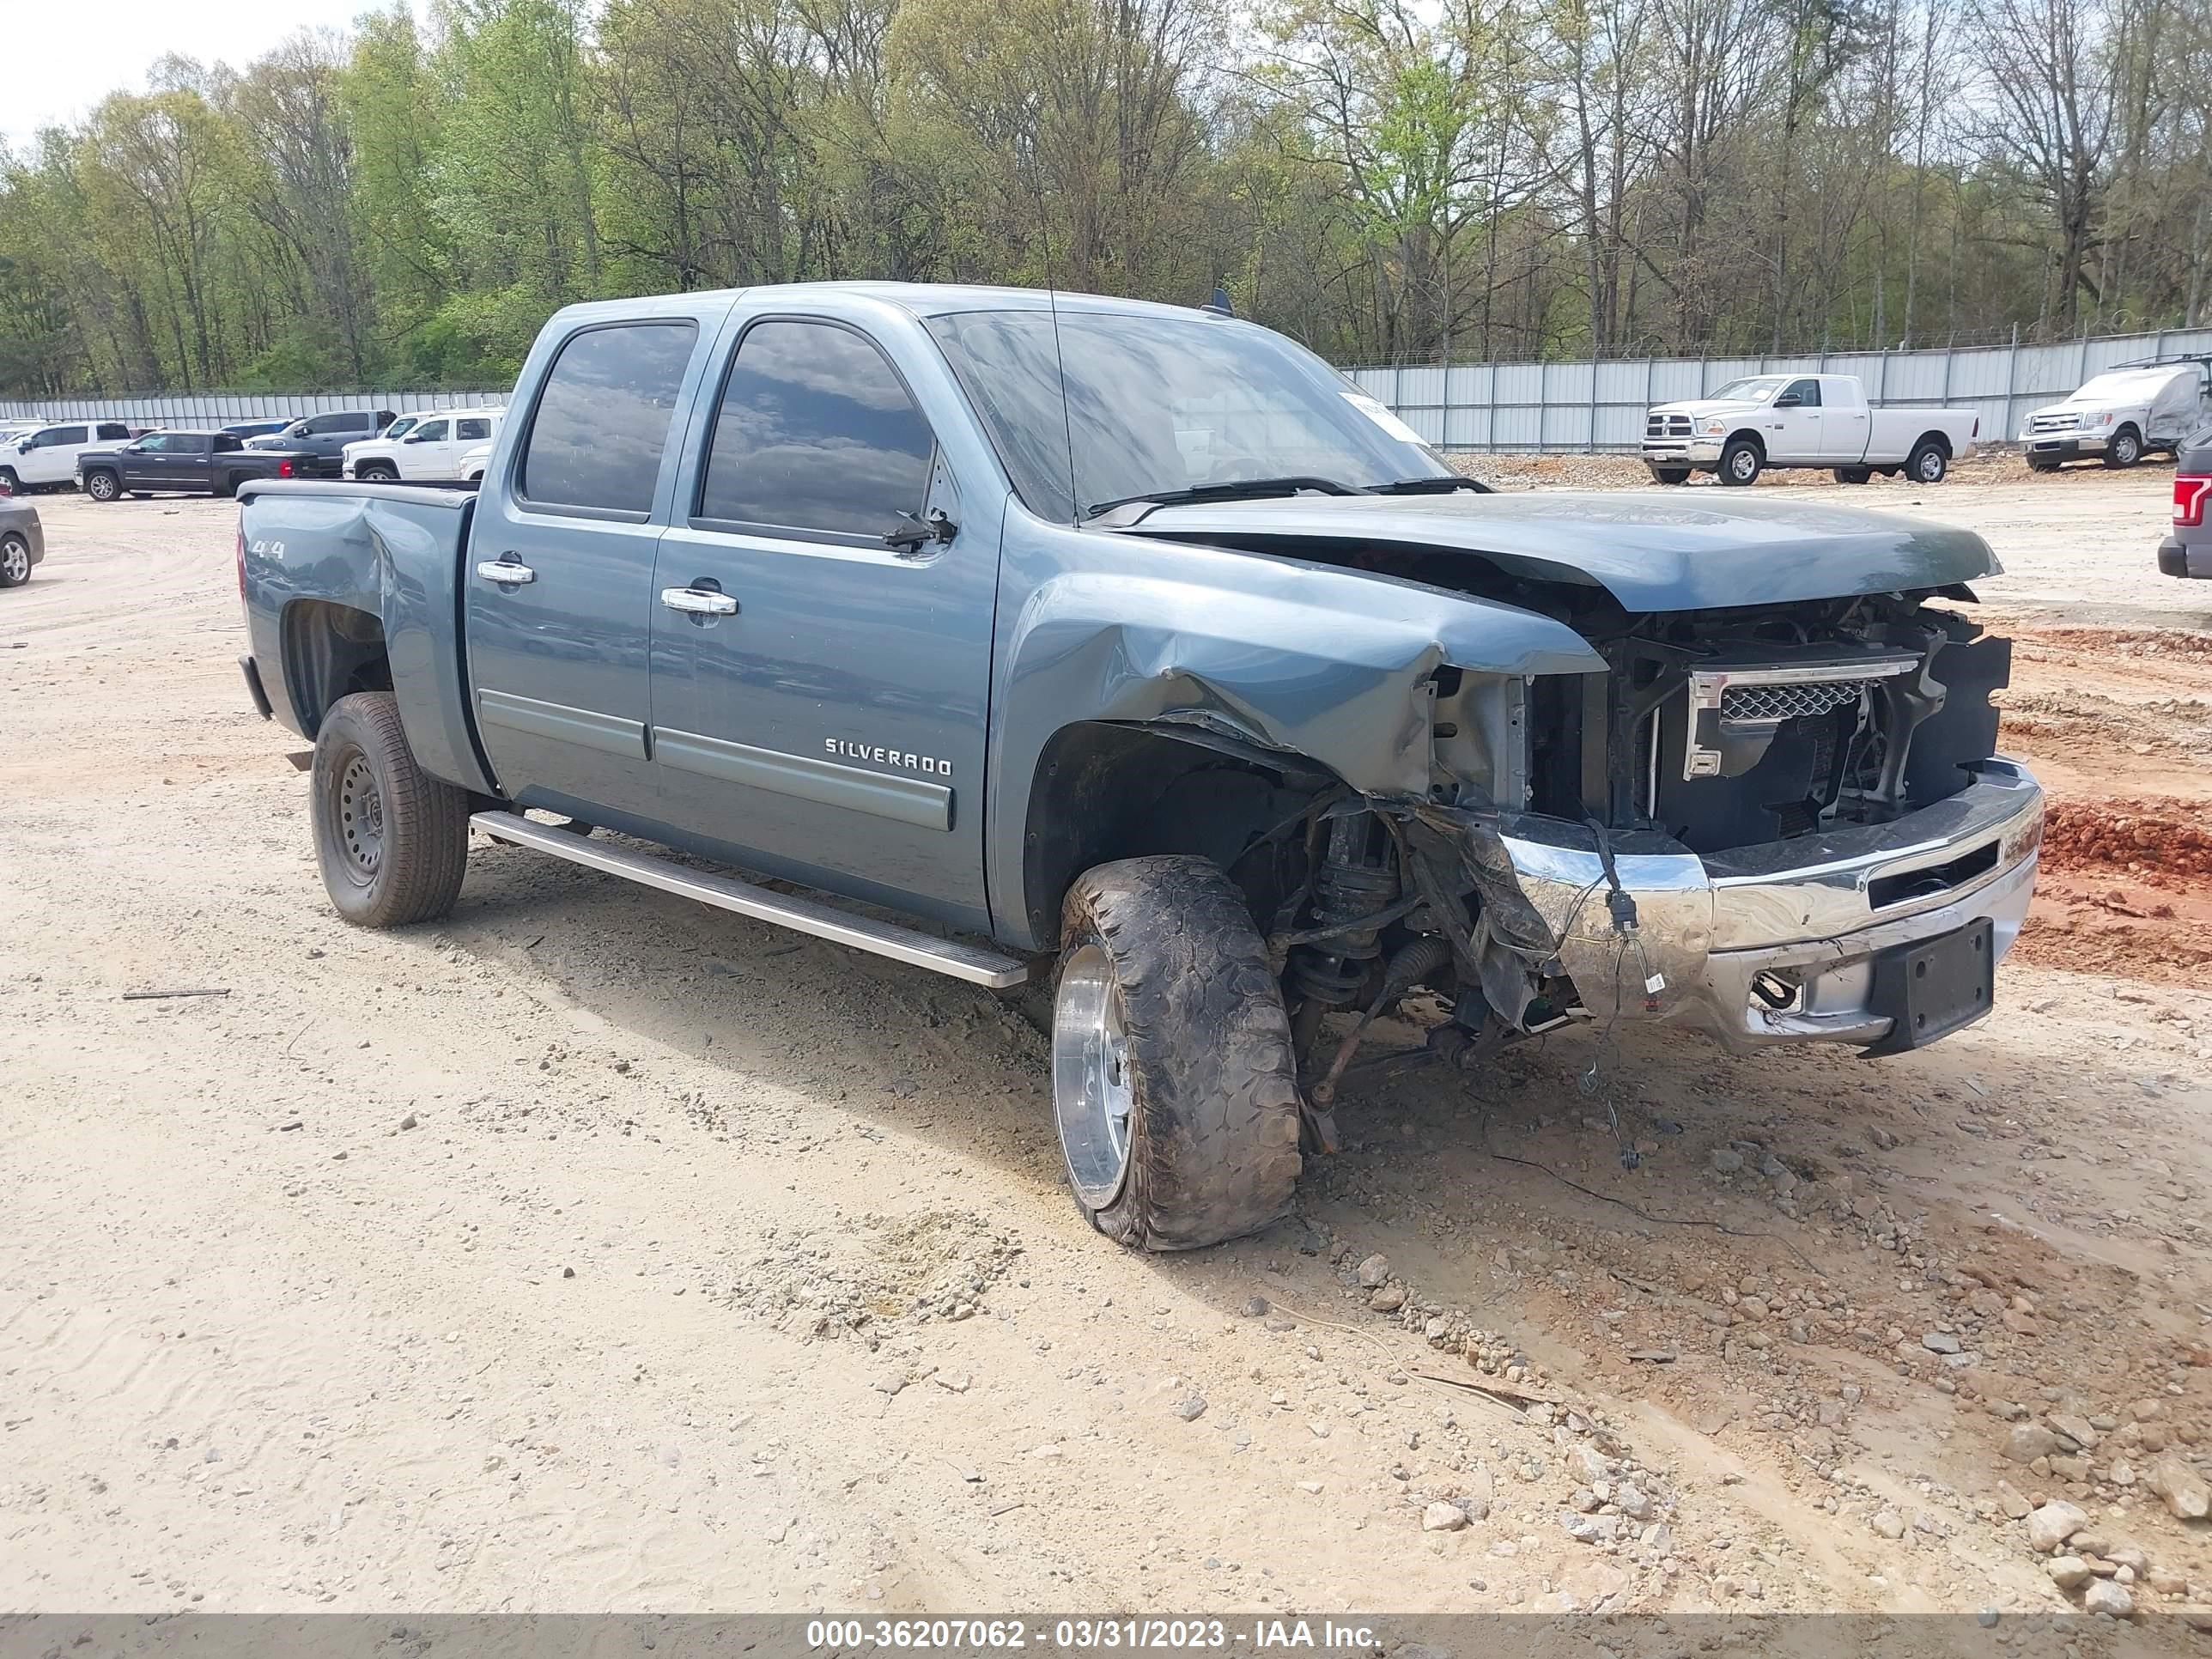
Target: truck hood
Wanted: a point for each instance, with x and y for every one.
(1694, 407)
(1649, 552)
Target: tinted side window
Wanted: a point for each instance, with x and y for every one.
(111, 431)
(62, 435)
(430, 432)
(602, 420)
(1807, 392)
(193, 443)
(227, 441)
(472, 431)
(816, 432)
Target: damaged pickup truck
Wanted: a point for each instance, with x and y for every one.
(1133, 647)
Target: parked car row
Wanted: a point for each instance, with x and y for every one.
(1768, 421)
(110, 458)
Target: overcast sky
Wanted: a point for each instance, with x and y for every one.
(59, 57)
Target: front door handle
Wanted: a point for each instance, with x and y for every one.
(699, 602)
(509, 572)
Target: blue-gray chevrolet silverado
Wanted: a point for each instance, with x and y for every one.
(1134, 646)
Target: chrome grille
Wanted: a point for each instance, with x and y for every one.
(1767, 703)
(2054, 423)
(1666, 426)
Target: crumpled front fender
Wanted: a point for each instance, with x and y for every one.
(1330, 666)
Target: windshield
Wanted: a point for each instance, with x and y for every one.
(399, 429)
(1756, 389)
(1162, 404)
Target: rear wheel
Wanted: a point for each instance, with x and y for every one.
(2125, 449)
(391, 840)
(102, 485)
(1928, 463)
(1854, 474)
(1174, 1083)
(1741, 462)
(15, 560)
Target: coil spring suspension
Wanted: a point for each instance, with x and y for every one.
(1357, 877)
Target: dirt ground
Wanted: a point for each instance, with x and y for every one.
(596, 1251)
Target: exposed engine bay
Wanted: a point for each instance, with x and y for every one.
(1730, 729)
(1716, 735)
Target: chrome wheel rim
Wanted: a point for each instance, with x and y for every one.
(15, 559)
(1743, 464)
(101, 487)
(2125, 447)
(1092, 1095)
(1931, 467)
(361, 817)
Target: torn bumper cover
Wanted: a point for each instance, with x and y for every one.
(1820, 939)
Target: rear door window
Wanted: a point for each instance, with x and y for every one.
(113, 431)
(601, 423)
(473, 430)
(816, 432)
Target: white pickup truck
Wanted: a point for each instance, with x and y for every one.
(1802, 420)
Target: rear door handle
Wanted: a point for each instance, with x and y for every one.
(509, 572)
(698, 602)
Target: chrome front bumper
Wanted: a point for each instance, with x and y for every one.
(1682, 452)
(1804, 918)
(2066, 444)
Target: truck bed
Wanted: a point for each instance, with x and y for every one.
(394, 552)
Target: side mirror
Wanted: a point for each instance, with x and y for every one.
(1789, 400)
(913, 534)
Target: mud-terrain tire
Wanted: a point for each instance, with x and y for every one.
(1854, 475)
(1741, 463)
(1928, 463)
(392, 841)
(1165, 1002)
(1670, 475)
(102, 485)
(15, 560)
(2125, 449)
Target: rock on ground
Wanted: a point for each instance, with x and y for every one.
(2053, 1524)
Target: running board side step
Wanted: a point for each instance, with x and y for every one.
(972, 962)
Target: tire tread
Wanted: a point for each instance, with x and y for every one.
(1216, 1155)
(427, 819)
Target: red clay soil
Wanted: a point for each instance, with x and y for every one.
(2160, 841)
(2125, 889)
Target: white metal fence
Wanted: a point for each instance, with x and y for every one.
(1600, 406)
(1479, 406)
